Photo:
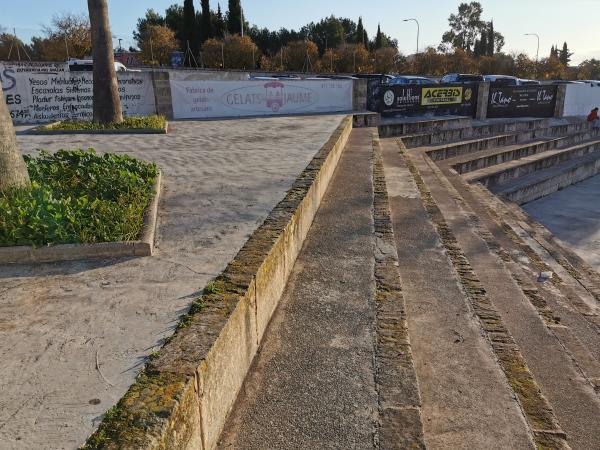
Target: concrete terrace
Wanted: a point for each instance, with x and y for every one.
(391, 300)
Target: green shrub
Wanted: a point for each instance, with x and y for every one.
(132, 122)
(78, 197)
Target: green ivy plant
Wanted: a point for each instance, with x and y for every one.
(78, 197)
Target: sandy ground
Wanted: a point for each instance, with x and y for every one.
(573, 215)
(74, 335)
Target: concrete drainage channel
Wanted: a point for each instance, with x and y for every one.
(182, 398)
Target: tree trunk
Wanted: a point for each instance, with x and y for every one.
(107, 104)
(13, 171)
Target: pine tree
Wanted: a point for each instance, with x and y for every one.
(379, 38)
(491, 40)
(365, 39)
(360, 32)
(234, 17)
(552, 52)
(219, 25)
(206, 26)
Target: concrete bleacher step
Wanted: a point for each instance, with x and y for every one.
(390, 128)
(456, 381)
(526, 129)
(467, 147)
(540, 183)
(553, 340)
(506, 172)
(491, 155)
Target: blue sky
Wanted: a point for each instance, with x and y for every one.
(556, 21)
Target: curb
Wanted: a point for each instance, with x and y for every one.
(40, 131)
(183, 397)
(24, 254)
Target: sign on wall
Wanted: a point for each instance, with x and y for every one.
(198, 99)
(439, 99)
(36, 96)
(522, 101)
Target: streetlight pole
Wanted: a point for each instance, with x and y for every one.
(537, 54)
(418, 30)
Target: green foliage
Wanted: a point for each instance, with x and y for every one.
(132, 122)
(234, 17)
(78, 197)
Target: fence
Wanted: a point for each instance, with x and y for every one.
(45, 92)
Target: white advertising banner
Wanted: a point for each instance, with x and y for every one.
(45, 96)
(580, 99)
(211, 99)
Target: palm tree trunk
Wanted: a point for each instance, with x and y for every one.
(13, 171)
(107, 104)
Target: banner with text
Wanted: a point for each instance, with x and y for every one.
(41, 94)
(196, 99)
(437, 99)
(522, 101)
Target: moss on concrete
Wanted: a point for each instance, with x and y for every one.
(140, 416)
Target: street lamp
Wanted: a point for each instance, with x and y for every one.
(537, 55)
(418, 30)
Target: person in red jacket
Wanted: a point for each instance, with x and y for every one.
(593, 117)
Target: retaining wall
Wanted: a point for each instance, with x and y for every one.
(183, 397)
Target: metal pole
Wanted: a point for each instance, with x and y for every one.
(242, 11)
(15, 41)
(537, 54)
(222, 56)
(418, 30)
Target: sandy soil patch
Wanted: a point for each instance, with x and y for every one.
(74, 335)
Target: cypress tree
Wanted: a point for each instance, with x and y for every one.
(206, 27)
(490, 48)
(234, 17)
(190, 28)
(379, 38)
(360, 32)
(365, 39)
(219, 26)
(564, 55)
(477, 48)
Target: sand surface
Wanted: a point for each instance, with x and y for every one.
(573, 216)
(73, 336)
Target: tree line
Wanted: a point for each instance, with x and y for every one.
(214, 38)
